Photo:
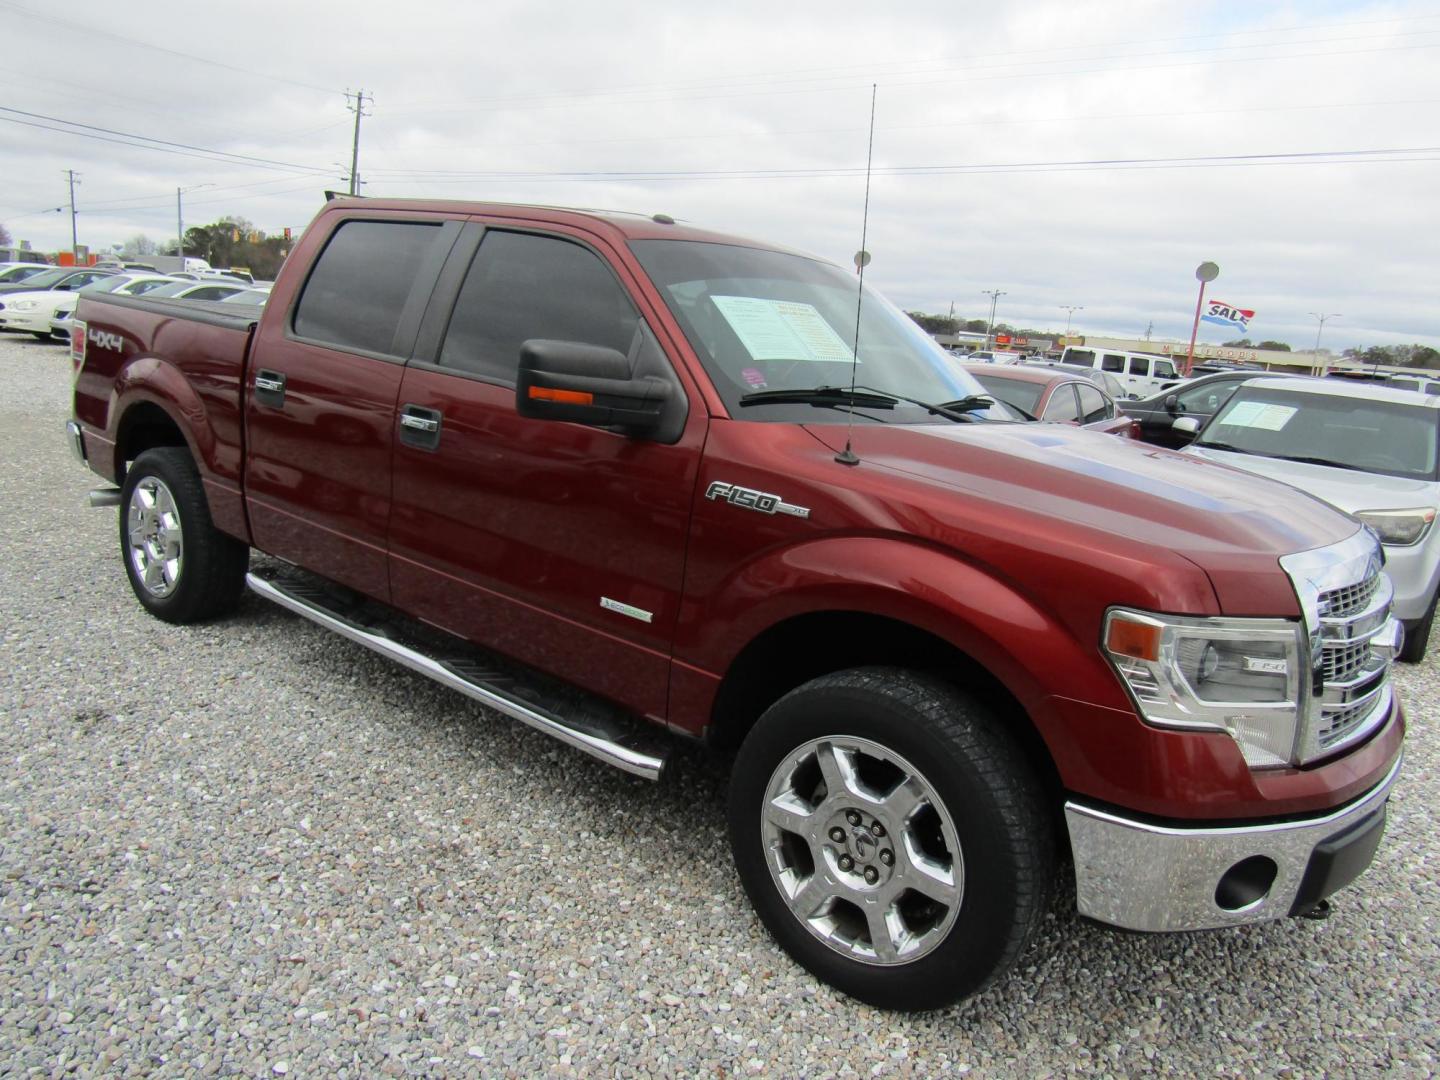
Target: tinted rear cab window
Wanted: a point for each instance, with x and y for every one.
(357, 291)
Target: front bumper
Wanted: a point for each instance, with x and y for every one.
(1141, 876)
(29, 322)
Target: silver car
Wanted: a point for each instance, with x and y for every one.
(1369, 450)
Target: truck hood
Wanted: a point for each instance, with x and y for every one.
(1347, 489)
(1123, 501)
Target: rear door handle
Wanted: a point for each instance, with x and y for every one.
(270, 388)
(420, 427)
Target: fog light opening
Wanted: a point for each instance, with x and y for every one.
(1246, 883)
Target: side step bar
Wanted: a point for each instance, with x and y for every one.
(600, 735)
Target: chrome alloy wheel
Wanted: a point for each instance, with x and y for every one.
(863, 850)
(155, 536)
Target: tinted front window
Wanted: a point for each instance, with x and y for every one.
(1348, 433)
(358, 288)
(522, 286)
(1204, 400)
(767, 320)
(1164, 369)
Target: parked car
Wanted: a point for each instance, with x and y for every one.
(615, 477)
(1054, 396)
(1195, 398)
(1369, 450)
(1141, 373)
(251, 297)
(11, 273)
(62, 308)
(210, 289)
(995, 356)
(34, 312)
(1102, 379)
(57, 278)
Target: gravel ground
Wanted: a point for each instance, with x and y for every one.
(255, 849)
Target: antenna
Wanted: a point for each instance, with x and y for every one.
(862, 259)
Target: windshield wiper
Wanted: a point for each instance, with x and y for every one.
(1223, 446)
(1318, 461)
(958, 410)
(976, 402)
(823, 396)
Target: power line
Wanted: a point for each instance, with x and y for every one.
(159, 144)
(832, 82)
(83, 28)
(903, 170)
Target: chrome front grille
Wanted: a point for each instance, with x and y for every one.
(1355, 692)
(1345, 599)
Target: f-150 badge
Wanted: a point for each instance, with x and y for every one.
(751, 499)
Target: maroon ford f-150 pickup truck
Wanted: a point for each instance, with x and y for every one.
(610, 475)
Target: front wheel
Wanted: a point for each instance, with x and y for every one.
(1417, 635)
(891, 836)
(181, 567)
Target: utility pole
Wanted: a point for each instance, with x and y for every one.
(1070, 310)
(1322, 316)
(994, 295)
(179, 231)
(74, 230)
(359, 110)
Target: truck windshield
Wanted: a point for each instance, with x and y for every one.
(1344, 432)
(764, 320)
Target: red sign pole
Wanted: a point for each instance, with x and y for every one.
(1194, 330)
(1205, 273)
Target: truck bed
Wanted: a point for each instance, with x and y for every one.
(197, 354)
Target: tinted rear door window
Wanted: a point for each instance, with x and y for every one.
(524, 286)
(1139, 365)
(357, 291)
(1093, 405)
(1113, 364)
(1061, 405)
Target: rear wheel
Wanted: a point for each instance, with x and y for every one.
(891, 837)
(181, 567)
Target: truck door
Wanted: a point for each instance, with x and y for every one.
(320, 400)
(558, 544)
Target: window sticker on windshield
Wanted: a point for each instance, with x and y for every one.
(781, 329)
(1257, 414)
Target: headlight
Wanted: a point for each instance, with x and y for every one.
(1241, 676)
(1399, 527)
(25, 305)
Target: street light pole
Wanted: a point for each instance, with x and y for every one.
(1321, 317)
(994, 295)
(1070, 310)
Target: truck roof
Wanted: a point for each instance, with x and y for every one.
(623, 225)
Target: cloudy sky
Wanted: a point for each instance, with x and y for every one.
(1066, 153)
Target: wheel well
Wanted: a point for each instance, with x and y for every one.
(143, 427)
(808, 646)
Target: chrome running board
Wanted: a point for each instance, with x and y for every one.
(598, 730)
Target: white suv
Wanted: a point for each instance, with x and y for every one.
(1142, 374)
(1369, 450)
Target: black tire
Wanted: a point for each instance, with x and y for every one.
(1417, 635)
(989, 799)
(206, 575)
(38, 336)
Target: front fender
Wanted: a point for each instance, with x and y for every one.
(1009, 634)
